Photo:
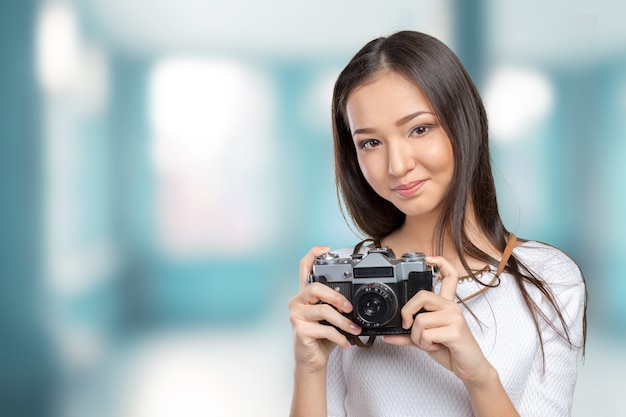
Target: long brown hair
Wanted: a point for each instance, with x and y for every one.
(435, 69)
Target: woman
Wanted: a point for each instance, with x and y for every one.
(413, 169)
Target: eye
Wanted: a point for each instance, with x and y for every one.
(420, 130)
(369, 144)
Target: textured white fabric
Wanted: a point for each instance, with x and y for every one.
(398, 381)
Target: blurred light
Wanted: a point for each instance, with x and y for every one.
(315, 106)
(81, 346)
(74, 80)
(559, 32)
(294, 30)
(91, 84)
(211, 148)
(76, 272)
(194, 99)
(58, 46)
(517, 100)
(193, 374)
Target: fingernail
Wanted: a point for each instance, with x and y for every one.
(355, 328)
(346, 306)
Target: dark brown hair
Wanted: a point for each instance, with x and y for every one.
(435, 69)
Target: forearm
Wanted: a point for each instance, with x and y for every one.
(489, 398)
(309, 393)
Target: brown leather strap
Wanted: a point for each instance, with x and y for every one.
(510, 245)
(358, 246)
(356, 340)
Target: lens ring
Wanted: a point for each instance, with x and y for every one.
(375, 304)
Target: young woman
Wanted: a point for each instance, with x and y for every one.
(413, 169)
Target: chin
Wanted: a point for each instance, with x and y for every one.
(417, 210)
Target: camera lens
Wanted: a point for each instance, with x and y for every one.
(375, 304)
(372, 306)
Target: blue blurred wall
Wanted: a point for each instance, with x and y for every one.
(578, 200)
(27, 374)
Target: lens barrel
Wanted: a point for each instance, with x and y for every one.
(375, 304)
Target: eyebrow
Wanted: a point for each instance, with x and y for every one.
(399, 122)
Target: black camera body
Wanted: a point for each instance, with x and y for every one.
(378, 285)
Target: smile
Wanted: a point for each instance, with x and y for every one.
(409, 189)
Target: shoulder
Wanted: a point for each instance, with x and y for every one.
(565, 282)
(549, 263)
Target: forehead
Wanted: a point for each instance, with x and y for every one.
(387, 95)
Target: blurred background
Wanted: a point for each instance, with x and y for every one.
(164, 165)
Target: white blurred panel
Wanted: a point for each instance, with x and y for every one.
(576, 31)
(517, 101)
(207, 374)
(277, 27)
(212, 142)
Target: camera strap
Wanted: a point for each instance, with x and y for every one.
(356, 340)
(358, 246)
(511, 243)
(506, 254)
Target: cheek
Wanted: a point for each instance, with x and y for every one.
(370, 169)
(441, 159)
(366, 173)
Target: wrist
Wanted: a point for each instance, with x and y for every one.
(488, 377)
(488, 396)
(308, 369)
(309, 391)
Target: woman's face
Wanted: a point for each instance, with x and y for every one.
(403, 151)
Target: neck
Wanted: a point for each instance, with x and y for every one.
(417, 234)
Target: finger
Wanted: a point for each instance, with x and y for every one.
(423, 300)
(317, 292)
(447, 328)
(438, 351)
(398, 339)
(411, 308)
(306, 263)
(319, 312)
(315, 331)
(431, 340)
(449, 276)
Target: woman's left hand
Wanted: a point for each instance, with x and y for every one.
(442, 330)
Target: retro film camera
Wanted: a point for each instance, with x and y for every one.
(378, 285)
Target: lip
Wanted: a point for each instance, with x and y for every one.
(409, 189)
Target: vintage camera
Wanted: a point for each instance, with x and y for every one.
(378, 285)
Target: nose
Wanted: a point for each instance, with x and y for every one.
(401, 160)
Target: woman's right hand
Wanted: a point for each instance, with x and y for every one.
(313, 341)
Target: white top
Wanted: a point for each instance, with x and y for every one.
(397, 381)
